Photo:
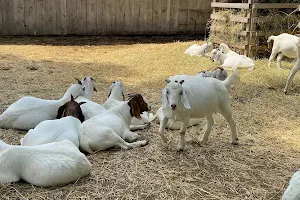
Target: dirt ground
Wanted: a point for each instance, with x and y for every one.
(267, 120)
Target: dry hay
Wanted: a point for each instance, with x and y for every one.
(267, 120)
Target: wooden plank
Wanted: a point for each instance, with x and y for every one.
(192, 15)
(101, 17)
(275, 5)
(230, 18)
(174, 16)
(19, 20)
(129, 17)
(230, 5)
(1, 20)
(165, 16)
(8, 17)
(139, 13)
(156, 16)
(120, 17)
(182, 16)
(148, 17)
(50, 17)
(61, 17)
(72, 21)
(111, 17)
(30, 17)
(91, 17)
(40, 17)
(81, 16)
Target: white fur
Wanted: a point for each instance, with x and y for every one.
(109, 129)
(225, 49)
(116, 91)
(197, 97)
(293, 190)
(284, 45)
(29, 111)
(52, 164)
(66, 128)
(90, 108)
(231, 60)
(197, 50)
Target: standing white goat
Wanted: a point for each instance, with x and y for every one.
(52, 164)
(90, 108)
(285, 45)
(111, 129)
(293, 190)
(197, 50)
(225, 49)
(231, 60)
(29, 111)
(197, 97)
(116, 91)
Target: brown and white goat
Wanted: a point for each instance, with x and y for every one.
(71, 108)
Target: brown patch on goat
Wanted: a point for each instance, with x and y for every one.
(71, 108)
(137, 105)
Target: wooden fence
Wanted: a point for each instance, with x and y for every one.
(250, 34)
(103, 17)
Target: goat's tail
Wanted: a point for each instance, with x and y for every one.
(272, 37)
(233, 78)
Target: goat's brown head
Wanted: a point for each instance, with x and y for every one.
(138, 104)
(71, 108)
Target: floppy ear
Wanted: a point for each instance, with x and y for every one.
(82, 103)
(164, 98)
(185, 100)
(60, 111)
(135, 109)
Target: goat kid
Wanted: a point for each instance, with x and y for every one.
(197, 50)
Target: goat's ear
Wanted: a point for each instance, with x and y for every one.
(135, 108)
(93, 80)
(60, 111)
(72, 98)
(185, 100)
(167, 80)
(164, 98)
(182, 81)
(78, 81)
(82, 103)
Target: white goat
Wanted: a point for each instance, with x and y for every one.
(52, 164)
(285, 45)
(293, 190)
(66, 128)
(116, 91)
(111, 129)
(197, 97)
(231, 60)
(90, 108)
(295, 69)
(29, 111)
(225, 49)
(197, 50)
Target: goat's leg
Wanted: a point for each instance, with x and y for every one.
(292, 74)
(227, 113)
(130, 136)
(272, 56)
(210, 123)
(279, 58)
(182, 132)
(162, 126)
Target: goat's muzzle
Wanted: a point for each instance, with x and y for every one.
(173, 106)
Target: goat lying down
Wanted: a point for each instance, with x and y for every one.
(90, 108)
(187, 97)
(111, 128)
(66, 128)
(46, 165)
(199, 50)
(29, 111)
(116, 91)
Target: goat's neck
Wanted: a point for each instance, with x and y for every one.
(222, 58)
(116, 94)
(65, 98)
(89, 90)
(124, 111)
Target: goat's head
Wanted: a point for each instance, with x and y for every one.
(116, 85)
(215, 55)
(89, 82)
(71, 108)
(138, 104)
(224, 48)
(172, 95)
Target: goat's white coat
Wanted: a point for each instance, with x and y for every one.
(201, 97)
(285, 45)
(29, 111)
(66, 128)
(293, 190)
(45, 165)
(109, 129)
(225, 49)
(199, 50)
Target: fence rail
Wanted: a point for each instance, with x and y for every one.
(103, 17)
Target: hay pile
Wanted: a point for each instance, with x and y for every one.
(267, 121)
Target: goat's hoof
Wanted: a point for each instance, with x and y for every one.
(234, 143)
(144, 143)
(180, 149)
